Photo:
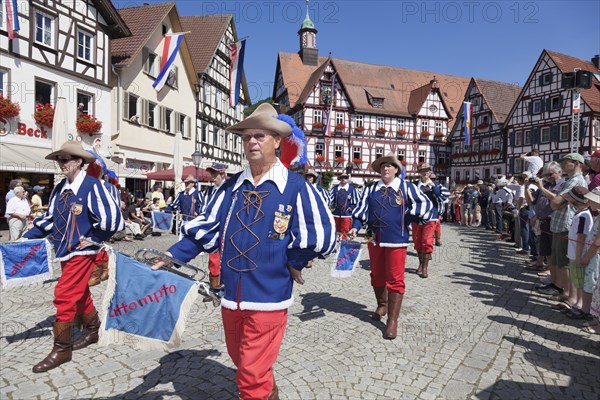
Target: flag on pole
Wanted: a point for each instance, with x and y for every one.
(24, 263)
(236, 71)
(576, 102)
(12, 19)
(467, 116)
(172, 43)
(331, 104)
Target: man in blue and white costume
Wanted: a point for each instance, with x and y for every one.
(80, 208)
(388, 207)
(268, 223)
(344, 197)
(188, 201)
(311, 176)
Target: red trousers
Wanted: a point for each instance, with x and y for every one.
(438, 229)
(72, 294)
(342, 225)
(253, 339)
(423, 236)
(387, 267)
(214, 263)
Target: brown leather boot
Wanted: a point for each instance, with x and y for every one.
(426, 258)
(61, 351)
(381, 297)
(95, 277)
(394, 305)
(215, 282)
(438, 240)
(104, 274)
(91, 322)
(420, 269)
(274, 395)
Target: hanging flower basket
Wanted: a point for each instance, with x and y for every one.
(8, 109)
(88, 124)
(340, 159)
(44, 115)
(320, 158)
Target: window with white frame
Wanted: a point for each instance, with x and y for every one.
(219, 100)
(537, 107)
(457, 176)
(206, 94)
(172, 77)
(318, 116)
(457, 148)
(545, 135)
(226, 140)
(338, 151)
(380, 122)
(421, 156)
(468, 174)
(519, 138)
(400, 123)
(356, 152)
(319, 149)
(85, 42)
(85, 103)
(359, 120)
(564, 132)
(152, 117)
(378, 152)
(527, 138)
(44, 92)
(555, 103)
(438, 126)
(216, 137)
(44, 29)
(181, 125)
(168, 121)
(400, 154)
(499, 171)
(497, 144)
(485, 146)
(339, 118)
(204, 134)
(3, 82)
(518, 165)
(131, 105)
(487, 173)
(424, 125)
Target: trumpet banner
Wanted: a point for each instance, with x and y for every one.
(25, 263)
(347, 259)
(142, 308)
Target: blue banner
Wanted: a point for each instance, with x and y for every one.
(161, 221)
(25, 262)
(347, 259)
(143, 307)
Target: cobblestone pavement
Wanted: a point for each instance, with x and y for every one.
(473, 330)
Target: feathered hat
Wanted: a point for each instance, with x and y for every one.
(293, 147)
(112, 177)
(97, 168)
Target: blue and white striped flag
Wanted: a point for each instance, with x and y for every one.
(347, 259)
(162, 221)
(236, 71)
(24, 263)
(143, 308)
(170, 50)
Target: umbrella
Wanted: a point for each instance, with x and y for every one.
(60, 127)
(169, 175)
(178, 161)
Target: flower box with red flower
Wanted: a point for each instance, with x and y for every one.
(340, 127)
(401, 133)
(8, 109)
(483, 125)
(88, 124)
(381, 131)
(320, 158)
(339, 159)
(438, 134)
(494, 151)
(317, 126)
(359, 130)
(424, 134)
(357, 161)
(44, 115)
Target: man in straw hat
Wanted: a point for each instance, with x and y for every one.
(188, 201)
(344, 198)
(217, 172)
(424, 232)
(81, 212)
(387, 207)
(311, 177)
(268, 222)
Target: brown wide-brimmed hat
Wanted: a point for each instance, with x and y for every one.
(311, 172)
(74, 149)
(264, 117)
(424, 167)
(389, 158)
(190, 179)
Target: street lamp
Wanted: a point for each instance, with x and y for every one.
(197, 160)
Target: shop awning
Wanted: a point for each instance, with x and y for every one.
(21, 158)
(169, 175)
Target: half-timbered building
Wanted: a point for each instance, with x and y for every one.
(62, 50)
(147, 122)
(485, 157)
(354, 112)
(541, 117)
(210, 38)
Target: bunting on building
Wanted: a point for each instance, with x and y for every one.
(12, 18)
(170, 50)
(236, 71)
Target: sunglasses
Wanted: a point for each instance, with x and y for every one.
(260, 137)
(64, 160)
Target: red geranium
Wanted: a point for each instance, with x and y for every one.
(88, 124)
(340, 159)
(44, 115)
(320, 158)
(8, 109)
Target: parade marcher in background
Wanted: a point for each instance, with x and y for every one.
(437, 234)
(269, 222)
(187, 202)
(388, 207)
(311, 176)
(424, 231)
(344, 198)
(81, 212)
(217, 173)
(18, 211)
(484, 202)
(37, 206)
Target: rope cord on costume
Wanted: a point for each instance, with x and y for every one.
(252, 199)
(392, 201)
(61, 208)
(343, 192)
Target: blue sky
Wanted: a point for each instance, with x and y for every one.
(497, 40)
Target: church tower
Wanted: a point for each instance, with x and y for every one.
(308, 41)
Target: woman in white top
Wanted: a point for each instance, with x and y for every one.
(17, 209)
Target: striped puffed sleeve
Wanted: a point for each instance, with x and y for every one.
(43, 224)
(355, 197)
(201, 235)
(313, 229)
(360, 215)
(419, 205)
(174, 206)
(441, 193)
(106, 213)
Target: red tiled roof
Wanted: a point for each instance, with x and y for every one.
(499, 97)
(418, 97)
(204, 37)
(569, 64)
(142, 21)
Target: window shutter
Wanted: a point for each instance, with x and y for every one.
(145, 113)
(554, 133)
(511, 139)
(582, 126)
(511, 165)
(543, 105)
(560, 102)
(535, 136)
(125, 105)
(145, 59)
(530, 108)
(188, 127)
(541, 80)
(548, 104)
